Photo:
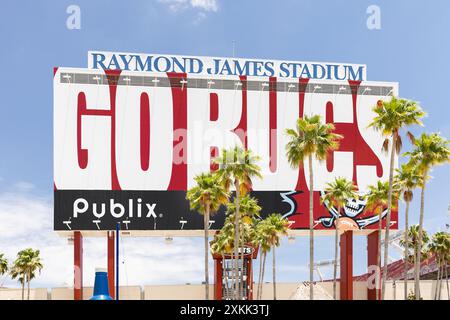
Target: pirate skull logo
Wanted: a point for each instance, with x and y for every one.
(350, 216)
(354, 207)
(349, 213)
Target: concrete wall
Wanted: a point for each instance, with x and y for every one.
(16, 294)
(359, 290)
(125, 293)
(395, 291)
(177, 292)
(62, 294)
(196, 291)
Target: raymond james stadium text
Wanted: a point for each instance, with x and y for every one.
(225, 66)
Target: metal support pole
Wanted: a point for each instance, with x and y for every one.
(78, 265)
(117, 259)
(346, 284)
(111, 263)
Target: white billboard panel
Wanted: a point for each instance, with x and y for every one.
(128, 144)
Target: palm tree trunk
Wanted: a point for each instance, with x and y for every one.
(419, 241)
(414, 259)
(249, 282)
(23, 289)
(437, 281)
(274, 275)
(234, 276)
(406, 251)
(262, 277)
(28, 285)
(311, 229)
(377, 279)
(442, 278)
(437, 278)
(236, 242)
(256, 290)
(388, 216)
(206, 227)
(336, 249)
(241, 258)
(415, 252)
(259, 277)
(446, 280)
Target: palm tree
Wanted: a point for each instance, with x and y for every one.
(337, 193)
(248, 207)
(262, 241)
(446, 258)
(407, 179)
(34, 264)
(237, 166)
(223, 242)
(277, 226)
(3, 264)
(249, 210)
(207, 197)
(412, 241)
(440, 247)
(377, 199)
(25, 266)
(429, 150)
(17, 272)
(267, 237)
(391, 116)
(311, 138)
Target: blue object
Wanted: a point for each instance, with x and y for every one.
(101, 290)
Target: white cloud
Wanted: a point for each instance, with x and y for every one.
(23, 216)
(178, 5)
(175, 5)
(26, 220)
(200, 16)
(207, 5)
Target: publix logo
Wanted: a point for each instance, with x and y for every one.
(133, 209)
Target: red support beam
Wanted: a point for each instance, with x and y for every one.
(78, 265)
(111, 263)
(218, 274)
(346, 266)
(372, 255)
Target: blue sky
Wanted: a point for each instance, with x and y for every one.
(411, 47)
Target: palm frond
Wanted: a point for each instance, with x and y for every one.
(311, 137)
(410, 136)
(385, 147)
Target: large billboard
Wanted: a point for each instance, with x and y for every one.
(127, 145)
